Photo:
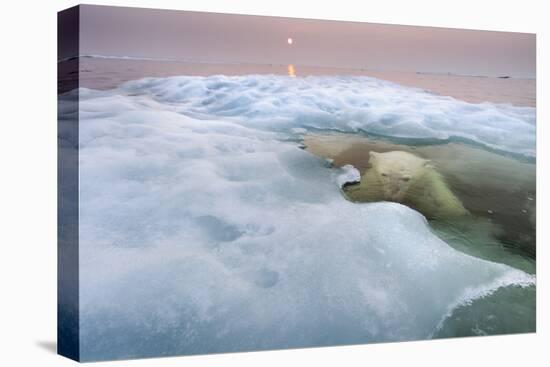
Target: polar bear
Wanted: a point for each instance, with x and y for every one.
(405, 178)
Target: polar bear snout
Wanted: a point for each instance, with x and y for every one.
(395, 186)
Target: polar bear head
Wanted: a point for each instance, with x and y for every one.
(397, 171)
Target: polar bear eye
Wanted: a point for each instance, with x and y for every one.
(405, 179)
(384, 174)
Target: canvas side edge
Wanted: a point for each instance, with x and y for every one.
(68, 320)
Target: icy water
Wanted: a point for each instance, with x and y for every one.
(215, 231)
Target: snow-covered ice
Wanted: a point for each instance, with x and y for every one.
(204, 228)
(348, 175)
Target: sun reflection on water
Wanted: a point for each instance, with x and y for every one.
(291, 71)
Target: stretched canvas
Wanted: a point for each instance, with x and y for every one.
(233, 183)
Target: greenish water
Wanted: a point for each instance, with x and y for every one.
(499, 193)
(509, 310)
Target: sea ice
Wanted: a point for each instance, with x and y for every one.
(349, 175)
(344, 103)
(204, 228)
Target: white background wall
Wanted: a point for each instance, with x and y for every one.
(28, 181)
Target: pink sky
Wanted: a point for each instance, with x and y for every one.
(242, 38)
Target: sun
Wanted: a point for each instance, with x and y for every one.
(289, 41)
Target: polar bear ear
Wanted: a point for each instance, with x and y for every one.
(372, 154)
(427, 163)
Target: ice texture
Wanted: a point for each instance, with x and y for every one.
(204, 228)
(349, 175)
(347, 104)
